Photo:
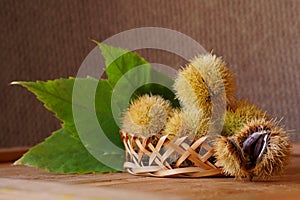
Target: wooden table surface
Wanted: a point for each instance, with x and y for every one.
(20, 182)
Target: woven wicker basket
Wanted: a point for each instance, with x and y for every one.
(158, 156)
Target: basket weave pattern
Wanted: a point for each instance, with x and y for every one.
(158, 156)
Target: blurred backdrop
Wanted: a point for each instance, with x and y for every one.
(43, 40)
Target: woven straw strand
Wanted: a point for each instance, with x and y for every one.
(143, 157)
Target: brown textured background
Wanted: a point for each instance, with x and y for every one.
(43, 40)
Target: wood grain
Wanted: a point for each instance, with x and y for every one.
(31, 183)
(12, 154)
(22, 189)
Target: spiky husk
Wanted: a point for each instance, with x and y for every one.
(238, 114)
(146, 116)
(186, 123)
(232, 160)
(191, 89)
(216, 75)
(204, 79)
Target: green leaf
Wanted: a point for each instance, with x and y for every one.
(64, 154)
(55, 94)
(132, 76)
(76, 108)
(119, 61)
(90, 112)
(95, 123)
